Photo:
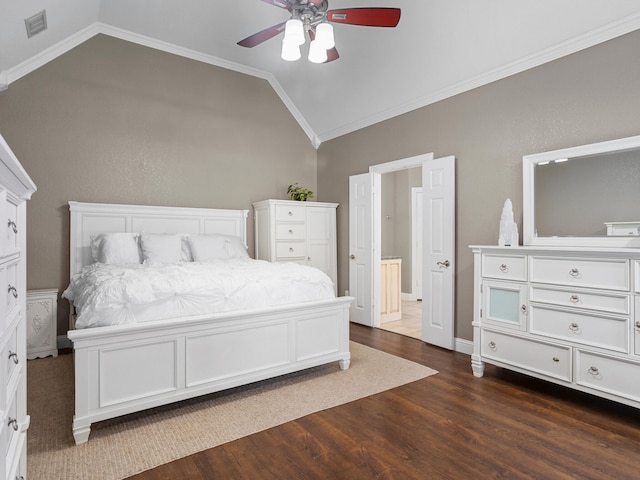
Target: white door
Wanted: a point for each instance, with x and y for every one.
(361, 247)
(417, 217)
(438, 187)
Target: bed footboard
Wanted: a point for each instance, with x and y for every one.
(125, 369)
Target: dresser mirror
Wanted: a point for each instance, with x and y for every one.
(583, 196)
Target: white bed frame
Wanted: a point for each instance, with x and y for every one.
(127, 368)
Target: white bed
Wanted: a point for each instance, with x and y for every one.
(126, 368)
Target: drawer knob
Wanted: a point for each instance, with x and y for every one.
(290, 213)
(574, 272)
(290, 232)
(503, 267)
(638, 324)
(574, 298)
(291, 249)
(492, 345)
(13, 291)
(593, 371)
(13, 226)
(523, 309)
(574, 327)
(14, 356)
(13, 423)
(556, 359)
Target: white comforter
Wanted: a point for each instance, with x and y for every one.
(114, 294)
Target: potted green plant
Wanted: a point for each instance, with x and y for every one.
(296, 192)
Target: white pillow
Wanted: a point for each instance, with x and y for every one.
(208, 247)
(115, 248)
(235, 247)
(161, 248)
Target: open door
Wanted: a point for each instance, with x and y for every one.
(438, 187)
(361, 248)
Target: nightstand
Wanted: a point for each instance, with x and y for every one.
(42, 323)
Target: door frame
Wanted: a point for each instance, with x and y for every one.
(416, 255)
(377, 171)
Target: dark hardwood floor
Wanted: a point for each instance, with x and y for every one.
(447, 426)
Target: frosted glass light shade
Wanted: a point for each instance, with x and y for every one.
(290, 50)
(294, 31)
(317, 53)
(324, 35)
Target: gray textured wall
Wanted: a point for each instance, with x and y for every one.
(590, 96)
(115, 122)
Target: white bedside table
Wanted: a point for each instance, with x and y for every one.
(42, 323)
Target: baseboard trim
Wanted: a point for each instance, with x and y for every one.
(463, 346)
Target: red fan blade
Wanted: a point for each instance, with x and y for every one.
(263, 36)
(332, 54)
(279, 3)
(368, 17)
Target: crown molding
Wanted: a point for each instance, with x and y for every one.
(594, 37)
(51, 53)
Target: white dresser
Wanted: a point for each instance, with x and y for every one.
(563, 314)
(301, 232)
(15, 189)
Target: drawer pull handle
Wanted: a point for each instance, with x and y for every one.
(290, 232)
(290, 213)
(503, 267)
(13, 291)
(13, 226)
(638, 324)
(574, 272)
(492, 345)
(523, 309)
(13, 423)
(574, 298)
(556, 359)
(574, 327)
(291, 249)
(593, 371)
(14, 357)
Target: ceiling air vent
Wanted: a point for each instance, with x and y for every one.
(36, 23)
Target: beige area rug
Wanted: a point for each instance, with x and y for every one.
(124, 446)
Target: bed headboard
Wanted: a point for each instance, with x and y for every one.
(92, 218)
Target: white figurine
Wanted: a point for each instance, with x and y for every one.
(508, 228)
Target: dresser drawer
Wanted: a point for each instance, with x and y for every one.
(607, 374)
(506, 267)
(604, 302)
(290, 213)
(10, 358)
(593, 273)
(290, 231)
(290, 250)
(579, 327)
(11, 223)
(536, 356)
(11, 426)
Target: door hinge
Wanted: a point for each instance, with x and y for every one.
(480, 313)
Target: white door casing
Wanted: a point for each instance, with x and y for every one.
(438, 186)
(361, 248)
(417, 203)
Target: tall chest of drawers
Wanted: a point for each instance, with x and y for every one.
(570, 316)
(15, 189)
(301, 232)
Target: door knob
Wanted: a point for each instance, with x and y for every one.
(352, 256)
(444, 264)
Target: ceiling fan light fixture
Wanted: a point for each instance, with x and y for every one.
(317, 52)
(324, 35)
(290, 50)
(294, 31)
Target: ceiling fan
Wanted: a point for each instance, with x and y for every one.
(313, 17)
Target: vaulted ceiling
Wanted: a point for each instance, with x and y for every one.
(439, 48)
